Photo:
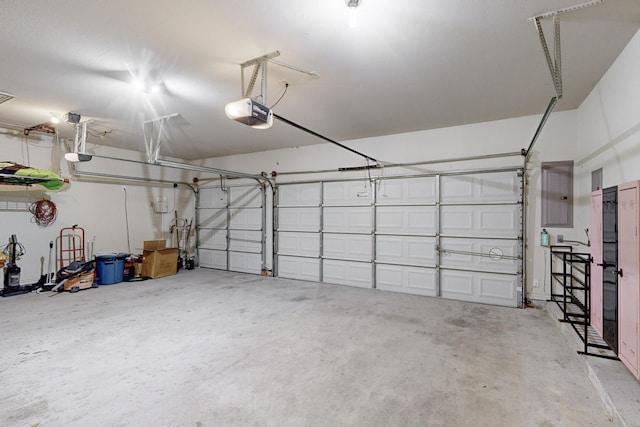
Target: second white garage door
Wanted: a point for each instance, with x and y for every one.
(230, 228)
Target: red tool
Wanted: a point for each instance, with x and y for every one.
(71, 245)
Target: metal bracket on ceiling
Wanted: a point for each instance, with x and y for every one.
(42, 127)
(79, 153)
(566, 9)
(555, 64)
(4, 97)
(259, 64)
(152, 132)
(80, 140)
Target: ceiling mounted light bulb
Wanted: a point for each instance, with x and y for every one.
(139, 85)
(353, 3)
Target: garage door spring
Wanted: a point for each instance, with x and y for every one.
(496, 254)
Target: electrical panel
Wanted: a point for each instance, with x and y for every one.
(160, 205)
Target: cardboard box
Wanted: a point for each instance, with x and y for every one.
(159, 263)
(154, 245)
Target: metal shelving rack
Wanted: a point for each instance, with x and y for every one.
(570, 290)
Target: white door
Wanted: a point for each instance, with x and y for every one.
(454, 236)
(231, 228)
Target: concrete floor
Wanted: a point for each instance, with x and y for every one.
(209, 348)
(618, 389)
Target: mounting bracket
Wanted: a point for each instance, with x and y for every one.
(259, 63)
(152, 132)
(555, 64)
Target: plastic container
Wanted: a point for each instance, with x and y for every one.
(110, 268)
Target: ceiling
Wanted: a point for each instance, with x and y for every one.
(386, 67)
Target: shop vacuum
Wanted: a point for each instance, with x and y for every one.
(13, 251)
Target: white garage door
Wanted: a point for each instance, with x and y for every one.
(230, 228)
(454, 236)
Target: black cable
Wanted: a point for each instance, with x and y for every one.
(286, 86)
(90, 133)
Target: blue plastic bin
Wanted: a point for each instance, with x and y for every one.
(110, 268)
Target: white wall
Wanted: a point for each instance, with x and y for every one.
(96, 206)
(608, 126)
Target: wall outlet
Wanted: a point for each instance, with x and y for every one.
(536, 283)
(560, 238)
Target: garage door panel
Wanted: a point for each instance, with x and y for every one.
(246, 218)
(411, 250)
(212, 259)
(300, 244)
(241, 240)
(245, 197)
(299, 219)
(480, 221)
(417, 191)
(356, 274)
(497, 287)
(410, 280)
(406, 219)
(299, 194)
(480, 188)
(230, 222)
(213, 218)
(488, 288)
(245, 262)
(212, 198)
(299, 268)
(346, 246)
(352, 220)
(213, 238)
(346, 193)
(484, 255)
